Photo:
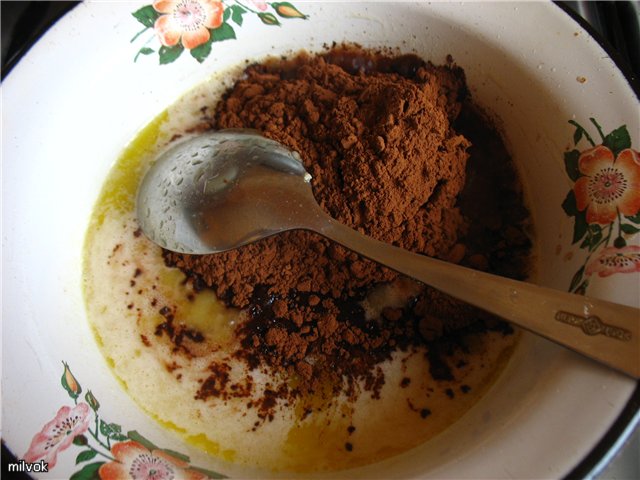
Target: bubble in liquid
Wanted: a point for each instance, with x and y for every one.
(513, 295)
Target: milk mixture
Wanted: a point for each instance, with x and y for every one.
(164, 341)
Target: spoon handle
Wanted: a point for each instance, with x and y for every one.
(604, 331)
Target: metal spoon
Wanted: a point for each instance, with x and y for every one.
(221, 190)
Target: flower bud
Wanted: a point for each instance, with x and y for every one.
(619, 242)
(92, 401)
(80, 440)
(69, 382)
(286, 10)
(268, 19)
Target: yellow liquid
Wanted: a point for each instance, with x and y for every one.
(127, 285)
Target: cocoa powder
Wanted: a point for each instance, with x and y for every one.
(377, 134)
(383, 157)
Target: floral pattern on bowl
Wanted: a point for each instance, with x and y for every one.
(604, 203)
(194, 25)
(121, 455)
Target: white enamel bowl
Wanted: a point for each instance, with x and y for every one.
(77, 98)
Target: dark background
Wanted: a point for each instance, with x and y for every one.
(614, 24)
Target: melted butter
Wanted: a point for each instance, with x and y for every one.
(301, 445)
(201, 311)
(212, 448)
(127, 284)
(118, 192)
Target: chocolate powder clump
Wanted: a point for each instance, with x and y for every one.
(376, 133)
(383, 157)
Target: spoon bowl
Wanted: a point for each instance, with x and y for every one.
(221, 190)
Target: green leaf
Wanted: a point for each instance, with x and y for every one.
(202, 51)
(109, 429)
(143, 51)
(577, 135)
(594, 228)
(147, 16)
(580, 227)
(580, 131)
(598, 127)
(586, 243)
(136, 437)
(85, 456)
(569, 205)
(618, 140)
(630, 229)
(571, 164)
(170, 54)
(88, 472)
(178, 455)
(268, 18)
(236, 14)
(595, 239)
(577, 278)
(634, 219)
(223, 32)
(104, 428)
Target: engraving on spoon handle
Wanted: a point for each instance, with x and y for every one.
(601, 330)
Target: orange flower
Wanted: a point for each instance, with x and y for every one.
(133, 460)
(187, 20)
(608, 184)
(616, 260)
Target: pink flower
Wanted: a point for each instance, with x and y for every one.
(58, 434)
(262, 6)
(609, 185)
(187, 20)
(615, 260)
(135, 461)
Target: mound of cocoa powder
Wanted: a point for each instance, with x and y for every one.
(377, 134)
